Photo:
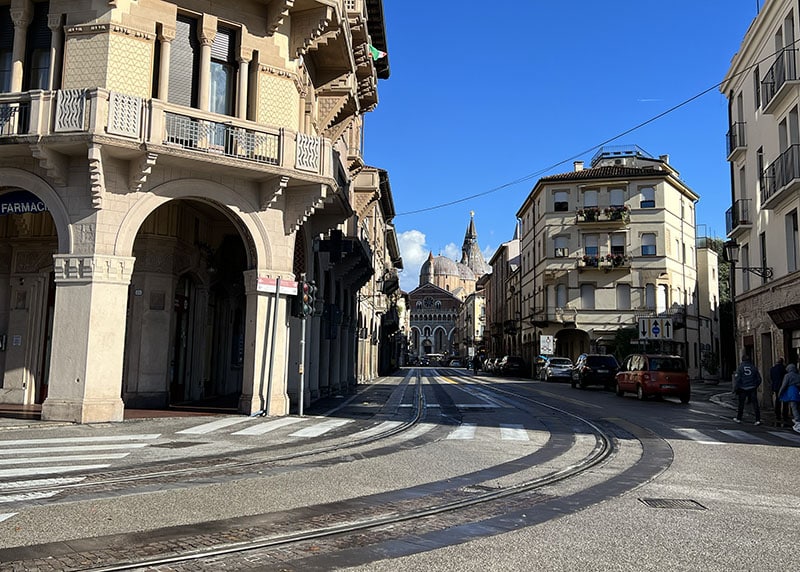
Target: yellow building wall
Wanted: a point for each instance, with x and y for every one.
(278, 101)
(130, 66)
(85, 61)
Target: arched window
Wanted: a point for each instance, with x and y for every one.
(650, 296)
(561, 295)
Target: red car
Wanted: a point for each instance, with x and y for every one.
(649, 375)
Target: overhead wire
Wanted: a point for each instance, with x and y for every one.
(594, 147)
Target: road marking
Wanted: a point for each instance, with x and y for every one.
(787, 436)
(213, 426)
(476, 406)
(742, 436)
(268, 426)
(321, 428)
(98, 439)
(419, 430)
(513, 433)
(47, 470)
(464, 431)
(41, 483)
(385, 426)
(7, 516)
(63, 458)
(77, 449)
(28, 496)
(699, 437)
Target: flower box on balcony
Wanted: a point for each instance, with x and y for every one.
(588, 214)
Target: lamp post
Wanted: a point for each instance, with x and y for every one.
(731, 254)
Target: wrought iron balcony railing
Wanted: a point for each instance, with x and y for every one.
(737, 215)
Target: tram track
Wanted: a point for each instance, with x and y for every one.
(467, 497)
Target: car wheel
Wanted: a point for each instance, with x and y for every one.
(684, 398)
(640, 393)
(618, 390)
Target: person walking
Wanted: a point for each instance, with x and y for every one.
(789, 393)
(476, 364)
(748, 379)
(776, 374)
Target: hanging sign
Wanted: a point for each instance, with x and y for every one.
(288, 287)
(20, 202)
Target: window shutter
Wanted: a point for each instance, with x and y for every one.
(6, 29)
(222, 47)
(39, 34)
(183, 63)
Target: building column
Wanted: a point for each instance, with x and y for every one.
(207, 32)
(244, 76)
(165, 35)
(55, 23)
(21, 15)
(89, 338)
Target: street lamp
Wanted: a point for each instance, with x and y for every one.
(732, 256)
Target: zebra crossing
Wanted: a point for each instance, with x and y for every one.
(734, 436)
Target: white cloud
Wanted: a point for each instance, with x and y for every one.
(453, 251)
(414, 253)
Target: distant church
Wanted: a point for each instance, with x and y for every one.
(443, 286)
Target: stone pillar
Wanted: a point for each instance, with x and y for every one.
(244, 76)
(55, 23)
(21, 16)
(89, 338)
(165, 36)
(261, 333)
(207, 32)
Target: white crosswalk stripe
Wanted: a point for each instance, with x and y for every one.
(56, 482)
(97, 439)
(513, 433)
(266, 427)
(743, 436)
(464, 431)
(63, 458)
(75, 449)
(4, 473)
(6, 516)
(795, 438)
(380, 428)
(214, 425)
(698, 436)
(321, 428)
(28, 496)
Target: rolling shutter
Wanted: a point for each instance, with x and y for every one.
(183, 62)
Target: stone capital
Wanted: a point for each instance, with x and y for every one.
(166, 33)
(55, 22)
(84, 268)
(208, 30)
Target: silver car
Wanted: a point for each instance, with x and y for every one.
(557, 367)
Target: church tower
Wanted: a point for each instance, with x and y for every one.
(471, 255)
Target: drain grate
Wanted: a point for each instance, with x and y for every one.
(687, 504)
(176, 445)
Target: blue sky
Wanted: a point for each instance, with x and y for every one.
(483, 94)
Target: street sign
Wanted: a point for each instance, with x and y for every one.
(546, 345)
(288, 287)
(655, 328)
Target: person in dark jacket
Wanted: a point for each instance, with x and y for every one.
(776, 373)
(748, 379)
(789, 392)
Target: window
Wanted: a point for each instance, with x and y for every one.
(648, 244)
(561, 295)
(6, 48)
(745, 263)
(760, 167)
(757, 87)
(560, 201)
(648, 200)
(791, 241)
(618, 244)
(662, 298)
(223, 72)
(762, 243)
(590, 198)
(590, 247)
(616, 197)
(561, 246)
(587, 296)
(184, 61)
(37, 56)
(623, 296)
(650, 296)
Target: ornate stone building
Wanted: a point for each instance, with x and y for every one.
(168, 170)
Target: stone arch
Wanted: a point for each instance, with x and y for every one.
(240, 211)
(11, 177)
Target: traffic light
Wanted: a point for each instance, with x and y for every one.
(304, 302)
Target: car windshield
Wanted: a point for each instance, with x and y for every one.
(667, 364)
(560, 361)
(601, 361)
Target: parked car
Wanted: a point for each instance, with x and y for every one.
(654, 375)
(456, 363)
(557, 367)
(595, 369)
(511, 365)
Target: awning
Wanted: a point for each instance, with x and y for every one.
(786, 318)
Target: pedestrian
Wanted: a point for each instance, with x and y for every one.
(789, 393)
(748, 379)
(776, 374)
(476, 364)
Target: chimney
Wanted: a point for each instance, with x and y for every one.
(664, 158)
(578, 165)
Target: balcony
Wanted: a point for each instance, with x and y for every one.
(612, 215)
(738, 216)
(779, 80)
(737, 140)
(607, 262)
(781, 178)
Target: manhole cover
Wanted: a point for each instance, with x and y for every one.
(176, 445)
(673, 503)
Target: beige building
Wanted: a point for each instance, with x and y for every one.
(764, 154)
(503, 316)
(603, 246)
(168, 171)
(471, 325)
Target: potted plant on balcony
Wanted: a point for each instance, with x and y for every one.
(618, 212)
(589, 260)
(589, 214)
